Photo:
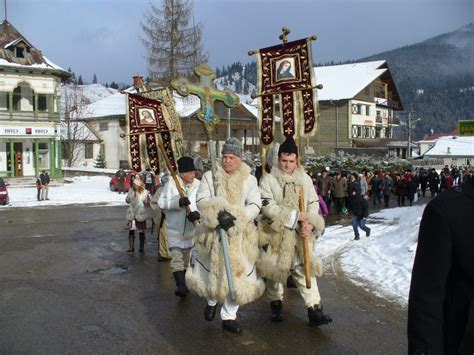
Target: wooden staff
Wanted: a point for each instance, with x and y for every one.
(307, 263)
(174, 175)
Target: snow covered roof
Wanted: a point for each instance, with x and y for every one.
(31, 58)
(342, 82)
(115, 105)
(454, 146)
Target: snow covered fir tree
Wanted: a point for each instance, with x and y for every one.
(100, 162)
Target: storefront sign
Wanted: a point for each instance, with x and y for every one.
(27, 131)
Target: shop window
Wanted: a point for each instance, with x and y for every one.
(89, 151)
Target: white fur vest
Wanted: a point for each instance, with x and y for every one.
(281, 194)
(238, 194)
(137, 209)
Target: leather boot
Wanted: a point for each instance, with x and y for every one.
(317, 317)
(277, 307)
(210, 312)
(142, 243)
(232, 326)
(131, 245)
(182, 289)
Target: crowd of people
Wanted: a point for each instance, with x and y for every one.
(269, 222)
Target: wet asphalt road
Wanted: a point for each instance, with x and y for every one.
(67, 285)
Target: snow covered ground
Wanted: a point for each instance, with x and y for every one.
(82, 190)
(381, 263)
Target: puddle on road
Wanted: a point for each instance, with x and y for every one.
(117, 269)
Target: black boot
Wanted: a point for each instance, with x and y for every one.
(182, 289)
(131, 242)
(232, 326)
(277, 315)
(210, 312)
(290, 282)
(316, 316)
(142, 243)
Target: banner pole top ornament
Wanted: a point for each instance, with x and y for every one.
(208, 94)
(284, 38)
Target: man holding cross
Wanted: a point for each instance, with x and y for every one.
(233, 207)
(283, 227)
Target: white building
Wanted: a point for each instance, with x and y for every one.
(452, 150)
(30, 101)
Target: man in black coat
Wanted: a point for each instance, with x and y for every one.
(360, 211)
(441, 302)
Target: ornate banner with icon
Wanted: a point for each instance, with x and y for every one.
(286, 76)
(145, 119)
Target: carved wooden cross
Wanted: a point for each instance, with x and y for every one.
(208, 95)
(284, 35)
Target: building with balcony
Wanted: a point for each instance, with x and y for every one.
(30, 101)
(357, 105)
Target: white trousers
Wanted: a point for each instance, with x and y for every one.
(228, 310)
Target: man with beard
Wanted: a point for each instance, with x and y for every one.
(283, 228)
(233, 207)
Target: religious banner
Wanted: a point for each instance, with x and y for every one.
(145, 119)
(286, 76)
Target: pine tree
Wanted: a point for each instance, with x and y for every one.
(172, 40)
(246, 87)
(114, 85)
(100, 160)
(94, 79)
(106, 85)
(79, 81)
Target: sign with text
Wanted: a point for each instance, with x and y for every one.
(26, 131)
(466, 128)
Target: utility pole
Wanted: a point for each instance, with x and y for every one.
(409, 132)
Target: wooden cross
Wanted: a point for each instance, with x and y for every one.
(208, 94)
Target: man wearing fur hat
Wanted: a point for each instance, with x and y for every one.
(283, 228)
(137, 213)
(233, 207)
(179, 223)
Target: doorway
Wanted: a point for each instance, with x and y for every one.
(15, 166)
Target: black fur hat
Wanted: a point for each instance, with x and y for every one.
(288, 147)
(185, 164)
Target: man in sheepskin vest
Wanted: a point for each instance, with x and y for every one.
(282, 229)
(233, 207)
(179, 223)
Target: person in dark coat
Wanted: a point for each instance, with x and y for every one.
(441, 299)
(433, 180)
(360, 211)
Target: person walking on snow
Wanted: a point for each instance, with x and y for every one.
(360, 211)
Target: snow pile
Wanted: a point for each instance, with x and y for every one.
(383, 262)
(81, 190)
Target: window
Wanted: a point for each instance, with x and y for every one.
(356, 109)
(42, 102)
(89, 151)
(4, 102)
(367, 110)
(103, 126)
(20, 52)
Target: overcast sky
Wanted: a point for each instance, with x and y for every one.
(103, 36)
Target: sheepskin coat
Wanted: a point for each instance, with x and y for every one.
(138, 200)
(238, 194)
(279, 228)
(179, 230)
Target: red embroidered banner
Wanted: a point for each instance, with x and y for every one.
(145, 119)
(286, 77)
